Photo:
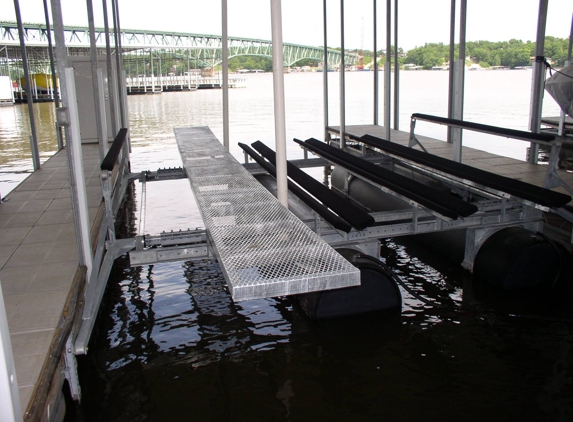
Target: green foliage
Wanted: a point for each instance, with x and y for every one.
(510, 53)
(251, 63)
(429, 55)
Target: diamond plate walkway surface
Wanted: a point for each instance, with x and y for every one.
(264, 250)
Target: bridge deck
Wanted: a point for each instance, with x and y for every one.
(264, 250)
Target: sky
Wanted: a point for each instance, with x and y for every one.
(420, 21)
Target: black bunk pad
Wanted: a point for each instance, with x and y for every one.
(479, 127)
(334, 220)
(516, 188)
(358, 218)
(110, 158)
(440, 202)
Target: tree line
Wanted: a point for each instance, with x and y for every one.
(512, 53)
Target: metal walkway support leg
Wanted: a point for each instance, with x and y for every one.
(538, 82)
(10, 407)
(279, 97)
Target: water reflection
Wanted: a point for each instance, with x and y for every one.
(175, 345)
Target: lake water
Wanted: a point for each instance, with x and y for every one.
(171, 345)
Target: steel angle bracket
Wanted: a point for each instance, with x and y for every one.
(168, 254)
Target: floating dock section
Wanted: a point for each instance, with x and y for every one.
(264, 250)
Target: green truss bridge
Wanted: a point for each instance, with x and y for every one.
(201, 48)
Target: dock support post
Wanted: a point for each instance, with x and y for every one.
(325, 72)
(99, 112)
(55, 88)
(112, 86)
(342, 81)
(396, 71)
(538, 81)
(279, 97)
(30, 101)
(225, 65)
(561, 129)
(388, 72)
(10, 407)
(76, 162)
(376, 78)
(452, 58)
(458, 85)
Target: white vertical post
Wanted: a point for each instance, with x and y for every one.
(567, 64)
(83, 223)
(376, 76)
(538, 82)
(396, 71)
(10, 407)
(388, 71)
(325, 72)
(225, 64)
(103, 117)
(279, 97)
(342, 73)
(99, 111)
(459, 83)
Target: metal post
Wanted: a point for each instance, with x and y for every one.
(54, 76)
(103, 121)
(10, 407)
(72, 144)
(111, 81)
(396, 70)
(325, 72)
(388, 71)
(376, 76)
(538, 76)
(279, 100)
(9, 74)
(567, 63)
(342, 81)
(34, 137)
(451, 69)
(119, 67)
(77, 163)
(102, 136)
(225, 48)
(152, 72)
(458, 109)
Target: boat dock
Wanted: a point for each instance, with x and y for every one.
(43, 283)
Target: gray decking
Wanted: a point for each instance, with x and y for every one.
(264, 250)
(39, 259)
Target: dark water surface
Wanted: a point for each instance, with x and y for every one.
(172, 346)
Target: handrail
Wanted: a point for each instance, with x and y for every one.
(492, 130)
(108, 163)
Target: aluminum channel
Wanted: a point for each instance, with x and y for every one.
(264, 250)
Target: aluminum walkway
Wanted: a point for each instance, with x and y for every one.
(264, 250)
